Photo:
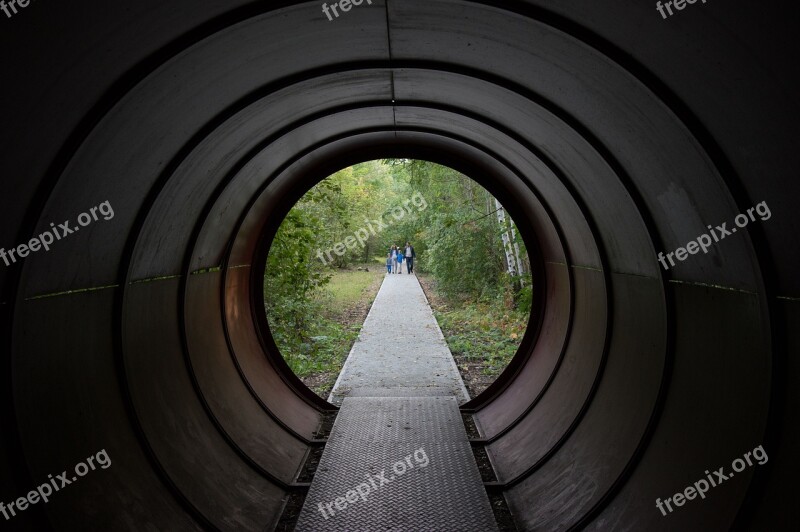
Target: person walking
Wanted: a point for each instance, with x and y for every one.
(389, 262)
(400, 261)
(394, 259)
(410, 255)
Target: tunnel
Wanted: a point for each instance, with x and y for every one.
(611, 131)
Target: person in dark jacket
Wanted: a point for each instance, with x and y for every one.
(410, 255)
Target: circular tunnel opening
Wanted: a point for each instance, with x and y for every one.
(287, 187)
(349, 234)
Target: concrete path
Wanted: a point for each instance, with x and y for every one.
(401, 351)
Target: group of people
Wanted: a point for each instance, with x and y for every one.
(396, 256)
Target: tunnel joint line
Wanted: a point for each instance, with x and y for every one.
(202, 271)
(154, 279)
(391, 70)
(590, 268)
(72, 292)
(709, 285)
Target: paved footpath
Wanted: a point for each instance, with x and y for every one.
(398, 457)
(401, 351)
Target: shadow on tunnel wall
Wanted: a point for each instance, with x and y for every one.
(615, 130)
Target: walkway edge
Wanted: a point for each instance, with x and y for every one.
(441, 335)
(343, 371)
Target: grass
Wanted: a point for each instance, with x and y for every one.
(345, 290)
(331, 328)
(483, 336)
(481, 332)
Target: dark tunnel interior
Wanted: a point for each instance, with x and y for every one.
(611, 132)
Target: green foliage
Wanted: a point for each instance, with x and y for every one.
(458, 238)
(485, 332)
(287, 290)
(525, 298)
(312, 334)
(450, 220)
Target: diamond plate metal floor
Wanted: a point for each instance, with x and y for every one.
(397, 463)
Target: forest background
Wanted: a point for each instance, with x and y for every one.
(470, 259)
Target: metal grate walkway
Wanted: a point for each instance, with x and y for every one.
(397, 464)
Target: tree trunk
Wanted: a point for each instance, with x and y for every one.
(508, 245)
(520, 265)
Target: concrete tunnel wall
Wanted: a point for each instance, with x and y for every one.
(610, 133)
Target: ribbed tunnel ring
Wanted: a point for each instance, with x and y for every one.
(203, 156)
